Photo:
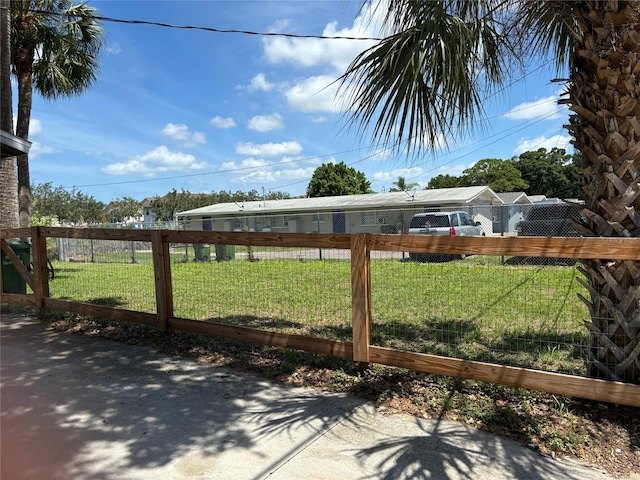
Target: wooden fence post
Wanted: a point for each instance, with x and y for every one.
(162, 276)
(360, 297)
(40, 270)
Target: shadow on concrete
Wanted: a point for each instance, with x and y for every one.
(78, 407)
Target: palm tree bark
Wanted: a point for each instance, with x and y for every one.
(24, 70)
(604, 97)
(425, 79)
(25, 97)
(8, 172)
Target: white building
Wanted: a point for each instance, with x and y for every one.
(388, 212)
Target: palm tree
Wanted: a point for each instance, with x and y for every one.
(401, 185)
(55, 47)
(8, 168)
(427, 79)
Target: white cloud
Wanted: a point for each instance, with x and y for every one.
(310, 52)
(453, 170)
(261, 172)
(259, 82)
(180, 133)
(247, 163)
(319, 119)
(546, 108)
(269, 149)
(158, 160)
(267, 176)
(113, 48)
(557, 141)
(38, 149)
(314, 94)
(318, 93)
(35, 126)
(438, 143)
(409, 175)
(266, 123)
(380, 155)
(220, 122)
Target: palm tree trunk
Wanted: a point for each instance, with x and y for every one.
(8, 178)
(24, 68)
(604, 97)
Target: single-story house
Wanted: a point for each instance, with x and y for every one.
(388, 212)
(506, 217)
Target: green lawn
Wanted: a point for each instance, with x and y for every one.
(476, 308)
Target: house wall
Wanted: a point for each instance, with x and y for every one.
(362, 221)
(148, 216)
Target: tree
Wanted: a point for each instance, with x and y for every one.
(331, 179)
(497, 174)
(401, 185)
(121, 209)
(166, 207)
(447, 181)
(549, 173)
(66, 206)
(426, 79)
(54, 49)
(8, 166)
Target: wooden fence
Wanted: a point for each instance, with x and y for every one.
(360, 246)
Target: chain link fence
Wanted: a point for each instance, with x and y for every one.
(543, 219)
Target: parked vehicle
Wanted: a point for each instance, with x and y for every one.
(550, 220)
(442, 223)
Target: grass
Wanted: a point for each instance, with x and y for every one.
(476, 309)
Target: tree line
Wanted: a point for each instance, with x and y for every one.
(51, 205)
(541, 172)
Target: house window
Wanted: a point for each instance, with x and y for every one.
(277, 221)
(374, 218)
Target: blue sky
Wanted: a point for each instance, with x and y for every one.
(203, 111)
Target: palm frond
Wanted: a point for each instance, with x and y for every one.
(425, 80)
(549, 27)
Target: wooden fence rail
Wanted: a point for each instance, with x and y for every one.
(360, 247)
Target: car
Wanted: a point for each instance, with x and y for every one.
(551, 220)
(456, 223)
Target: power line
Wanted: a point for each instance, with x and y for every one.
(376, 153)
(228, 170)
(208, 29)
(517, 128)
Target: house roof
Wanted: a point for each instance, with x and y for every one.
(514, 197)
(411, 199)
(10, 145)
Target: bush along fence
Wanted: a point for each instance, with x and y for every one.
(507, 310)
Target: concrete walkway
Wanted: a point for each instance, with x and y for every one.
(75, 408)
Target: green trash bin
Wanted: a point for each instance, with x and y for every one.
(12, 282)
(225, 253)
(202, 252)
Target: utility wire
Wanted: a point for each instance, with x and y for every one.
(208, 29)
(518, 128)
